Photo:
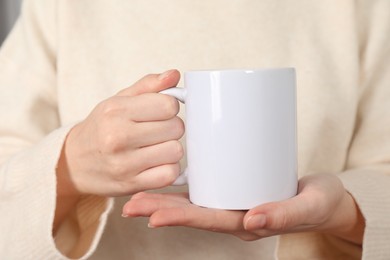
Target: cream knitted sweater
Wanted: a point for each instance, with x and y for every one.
(63, 57)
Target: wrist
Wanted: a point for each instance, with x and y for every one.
(349, 223)
(67, 195)
(65, 183)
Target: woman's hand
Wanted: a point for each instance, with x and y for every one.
(128, 143)
(322, 205)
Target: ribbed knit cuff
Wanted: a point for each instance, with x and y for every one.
(370, 189)
(28, 203)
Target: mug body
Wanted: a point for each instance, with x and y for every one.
(241, 137)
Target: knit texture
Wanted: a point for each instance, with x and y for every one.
(64, 57)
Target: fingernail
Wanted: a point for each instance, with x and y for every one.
(255, 222)
(150, 226)
(124, 215)
(165, 74)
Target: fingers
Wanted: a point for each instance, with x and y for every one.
(278, 216)
(176, 210)
(318, 199)
(133, 132)
(301, 213)
(142, 108)
(170, 152)
(118, 132)
(145, 204)
(165, 153)
(179, 197)
(157, 132)
(152, 83)
(152, 107)
(197, 217)
(130, 136)
(157, 177)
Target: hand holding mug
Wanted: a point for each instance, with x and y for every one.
(241, 149)
(128, 143)
(322, 205)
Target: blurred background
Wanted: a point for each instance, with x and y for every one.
(9, 11)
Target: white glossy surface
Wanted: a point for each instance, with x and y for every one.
(241, 136)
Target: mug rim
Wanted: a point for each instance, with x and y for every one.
(243, 70)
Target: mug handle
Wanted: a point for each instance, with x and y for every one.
(180, 94)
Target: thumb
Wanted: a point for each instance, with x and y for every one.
(278, 216)
(152, 83)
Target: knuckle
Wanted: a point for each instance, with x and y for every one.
(171, 172)
(177, 150)
(110, 143)
(282, 220)
(146, 82)
(178, 127)
(170, 106)
(109, 107)
(174, 171)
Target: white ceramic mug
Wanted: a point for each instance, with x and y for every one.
(241, 136)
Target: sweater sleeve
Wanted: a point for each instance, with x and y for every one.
(368, 167)
(31, 140)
